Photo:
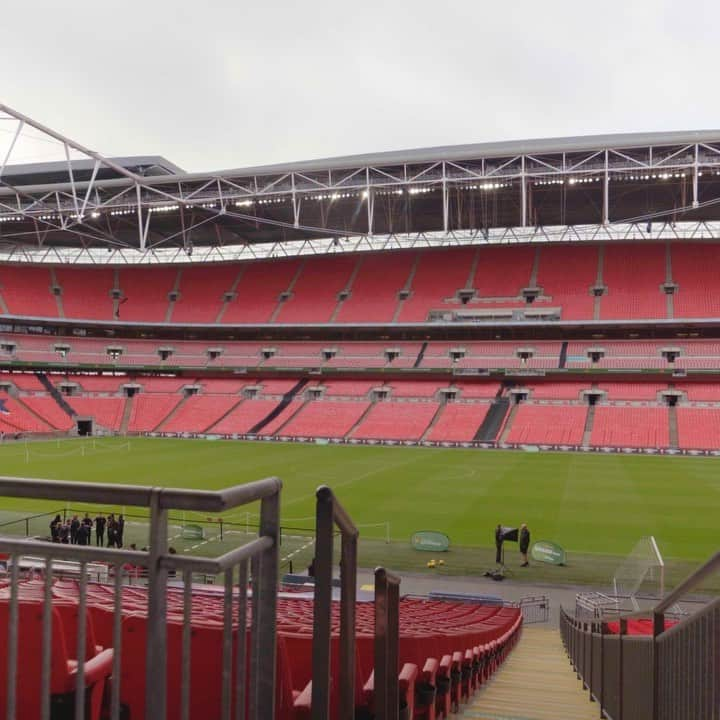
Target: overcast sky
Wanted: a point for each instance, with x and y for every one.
(225, 84)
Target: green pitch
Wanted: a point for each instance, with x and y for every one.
(593, 505)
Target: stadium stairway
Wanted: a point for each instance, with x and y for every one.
(488, 430)
(127, 413)
(536, 682)
(55, 393)
(421, 355)
(171, 414)
(286, 400)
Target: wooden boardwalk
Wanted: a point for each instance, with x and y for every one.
(536, 682)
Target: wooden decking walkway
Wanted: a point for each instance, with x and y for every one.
(536, 682)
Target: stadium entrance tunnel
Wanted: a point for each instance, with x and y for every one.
(85, 428)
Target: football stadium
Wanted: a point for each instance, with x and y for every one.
(272, 439)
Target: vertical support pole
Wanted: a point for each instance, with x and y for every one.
(446, 202)
(523, 194)
(264, 615)
(381, 632)
(156, 651)
(323, 605)
(606, 191)
(295, 204)
(696, 168)
(241, 655)
(348, 592)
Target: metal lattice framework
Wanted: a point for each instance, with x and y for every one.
(660, 185)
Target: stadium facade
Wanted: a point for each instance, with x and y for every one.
(552, 292)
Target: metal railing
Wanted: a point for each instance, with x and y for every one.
(671, 674)
(240, 699)
(387, 632)
(330, 513)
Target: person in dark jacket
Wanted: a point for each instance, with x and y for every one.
(55, 529)
(524, 542)
(498, 544)
(119, 531)
(111, 530)
(83, 534)
(74, 527)
(100, 522)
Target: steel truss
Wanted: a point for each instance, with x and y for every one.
(623, 232)
(137, 217)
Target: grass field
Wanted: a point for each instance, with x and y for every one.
(596, 506)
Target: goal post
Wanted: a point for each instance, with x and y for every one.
(644, 565)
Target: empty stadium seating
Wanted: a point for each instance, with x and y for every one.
(332, 419)
(617, 426)
(633, 275)
(449, 648)
(458, 422)
(698, 428)
(566, 274)
(548, 424)
(396, 421)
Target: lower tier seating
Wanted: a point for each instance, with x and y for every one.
(548, 424)
(396, 421)
(618, 426)
(447, 649)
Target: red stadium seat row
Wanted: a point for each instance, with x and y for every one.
(366, 288)
(447, 649)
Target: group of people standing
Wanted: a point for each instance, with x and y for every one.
(74, 531)
(523, 539)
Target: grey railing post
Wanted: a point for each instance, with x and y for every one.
(264, 612)
(155, 673)
(348, 597)
(323, 605)
(387, 611)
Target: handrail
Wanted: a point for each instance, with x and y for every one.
(261, 554)
(387, 628)
(329, 512)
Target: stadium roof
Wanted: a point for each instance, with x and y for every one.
(84, 201)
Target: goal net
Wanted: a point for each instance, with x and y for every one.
(642, 571)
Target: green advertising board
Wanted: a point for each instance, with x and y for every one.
(193, 532)
(430, 541)
(548, 552)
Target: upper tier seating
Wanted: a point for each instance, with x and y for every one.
(145, 293)
(516, 263)
(258, 291)
(315, 293)
(439, 275)
(374, 293)
(27, 290)
(458, 422)
(86, 292)
(695, 268)
(633, 275)
(630, 427)
(396, 421)
(566, 274)
(306, 290)
(201, 293)
(548, 424)
(700, 391)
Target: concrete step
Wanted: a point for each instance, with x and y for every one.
(536, 682)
